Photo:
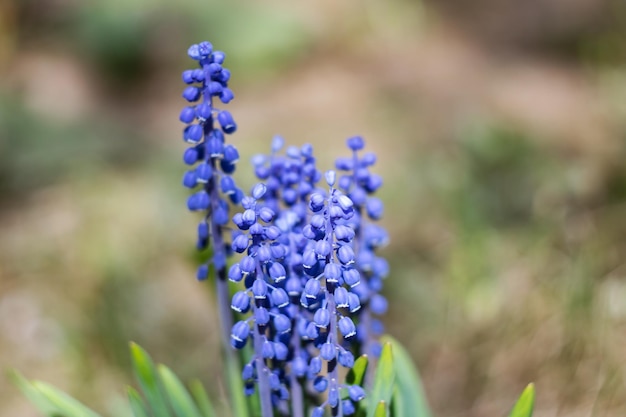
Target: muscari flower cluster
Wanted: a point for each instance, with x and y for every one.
(309, 271)
(211, 160)
(360, 185)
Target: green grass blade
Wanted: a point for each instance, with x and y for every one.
(148, 379)
(357, 373)
(180, 400)
(34, 396)
(238, 400)
(67, 405)
(137, 405)
(525, 404)
(398, 404)
(409, 395)
(202, 399)
(381, 410)
(383, 382)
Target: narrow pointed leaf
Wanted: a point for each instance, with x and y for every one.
(136, 403)
(202, 399)
(137, 406)
(383, 381)
(148, 379)
(180, 400)
(238, 400)
(357, 373)
(34, 396)
(409, 395)
(381, 410)
(67, 405)
(525, 404)
(398, 404)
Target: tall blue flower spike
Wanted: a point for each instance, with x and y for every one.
(360, 185)
(211, 161)
(300, 275)
(328, 261)
(270, 233)
(262, 272)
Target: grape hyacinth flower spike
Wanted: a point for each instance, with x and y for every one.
(298, 273)
(211, 161)
(328, 293)
(262, 272)
(360, 185)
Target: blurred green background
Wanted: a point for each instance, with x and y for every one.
(500, 127)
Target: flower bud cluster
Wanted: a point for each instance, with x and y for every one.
(301, 281)
(360, 184)
(211, 160)
(331, 291)
(290, 178)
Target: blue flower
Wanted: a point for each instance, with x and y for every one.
(213, 159)
(239, 334)
(366, 275)
(309, 274)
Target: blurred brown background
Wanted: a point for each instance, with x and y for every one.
(501, 132)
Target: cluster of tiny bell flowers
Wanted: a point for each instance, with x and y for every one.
(309, 273)
(211, 162)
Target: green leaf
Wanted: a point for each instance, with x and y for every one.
(179, 398)
(51, 401)
(383, 382)
(148, 379)
(398, 406)
(136, 403)
(34, 396)
(67, 405)
(408, 397)
(524, 405)
(357, 373)
(238, 400)
(202, 399)
(381, 410)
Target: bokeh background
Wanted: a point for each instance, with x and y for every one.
(500, 127)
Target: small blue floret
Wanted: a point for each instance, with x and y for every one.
(227, 122)
(320, 384)
(346, 358)
(203, 272)
(191, 94)
(187, 115)
(356, 393)
(279, 298)
(356, 143)
(240, 302)
(328, 351)
(239, 334)
(346, 327)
